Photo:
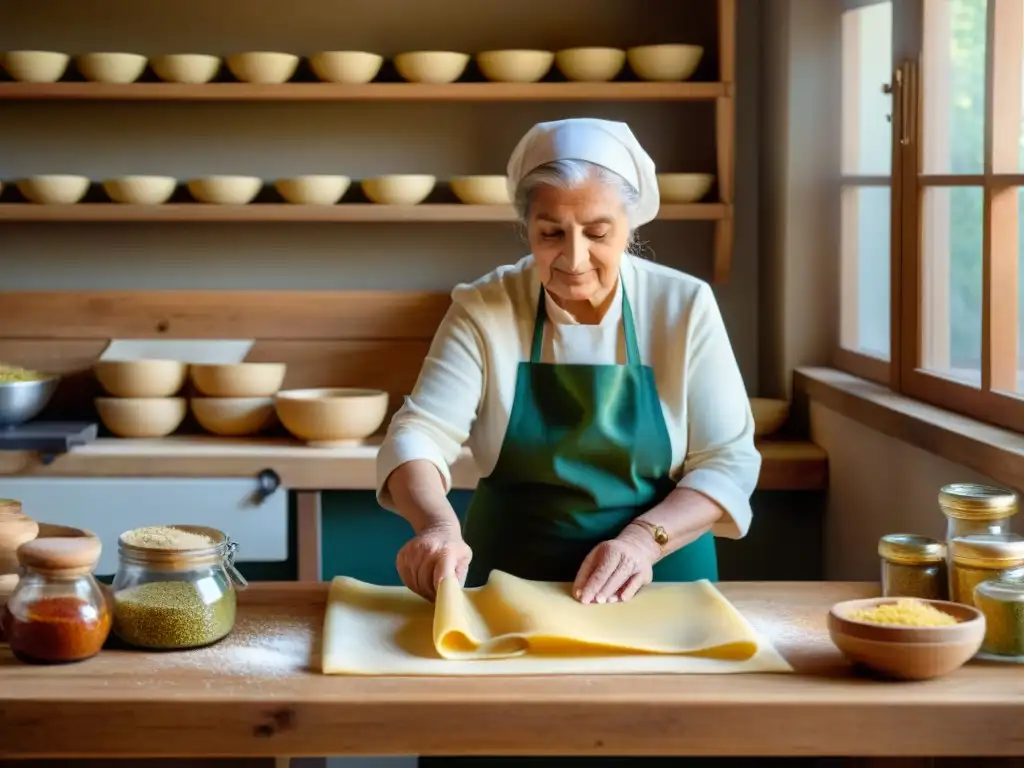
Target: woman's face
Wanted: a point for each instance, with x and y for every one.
(577, 237)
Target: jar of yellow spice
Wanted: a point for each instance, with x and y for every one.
(175, 587)
(984, 557)
(1002, 602)
(913, 566)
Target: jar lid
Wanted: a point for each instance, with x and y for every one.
(972, 501)
(987, 550)
(68, 556)
(1002, 590)
(911, 549)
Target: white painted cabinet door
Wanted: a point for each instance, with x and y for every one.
(110, 506)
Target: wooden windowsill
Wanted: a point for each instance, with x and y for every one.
(992, 451)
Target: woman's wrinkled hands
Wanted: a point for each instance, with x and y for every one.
(434, 553)
(615, 570)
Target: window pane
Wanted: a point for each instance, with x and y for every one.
(953, 73)
(951, 283)
(1007, 104)
(867, 66)
(864, 279)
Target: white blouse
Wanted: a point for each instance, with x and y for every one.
(466, 387)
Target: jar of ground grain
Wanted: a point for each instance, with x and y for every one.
(983, 557)
(1002, 602)
(913, 566)
(976, 509)
(175, 587)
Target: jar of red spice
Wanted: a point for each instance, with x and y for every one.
(58, 613)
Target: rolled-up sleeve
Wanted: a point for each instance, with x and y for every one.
(721, 461)
(435, 420)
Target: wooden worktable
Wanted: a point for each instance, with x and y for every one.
(259, 693)
(791, 466)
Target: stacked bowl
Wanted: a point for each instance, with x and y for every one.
(142, 396)
(236, 399)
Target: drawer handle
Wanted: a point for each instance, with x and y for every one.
(268, 481)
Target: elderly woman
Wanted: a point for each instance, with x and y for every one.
(597, 391)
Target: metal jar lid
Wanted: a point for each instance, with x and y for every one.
(911, 549)
(988, 551)
(972, 501)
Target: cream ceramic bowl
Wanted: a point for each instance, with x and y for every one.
(193, 68)
(225, 190)
(515, 66)
(111, 67)
(340, 416)
(233, 416)
(481, 190)
(238, 379)
(141, 378)
(399, 189)
(664, 63)
(313, 189)
(591, 65)
(684, 187)
(353, 67)
(769, 415)
(263, 66)
(35, 66)
(141, 416)
(54, 189)
(140, 190)
(431, 66)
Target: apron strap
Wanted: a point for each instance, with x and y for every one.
(628, 330)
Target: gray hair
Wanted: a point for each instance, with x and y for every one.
(569, 174)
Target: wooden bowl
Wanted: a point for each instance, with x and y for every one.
(194, 68)
(35, 66)
(664, 63)
(332, 417)
(684, 187)
(263, 66)
(399, 189)
(353, 67)
(907, 653)
(481, 190)
(54, 189)
(141, 416)
(591, 64)
(141, 378)
(313, 189)
(15, 529)
(225, 190)
(515, 66)
(238, 379)
(140, 190)
(431, 66)
(233, 416)
(769, 415)
(111, 67)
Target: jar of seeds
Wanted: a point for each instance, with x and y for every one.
(1002, 602)
(983, 557)
(972, 509)
(175, 587)
(913, 566)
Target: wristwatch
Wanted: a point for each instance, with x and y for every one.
(659, 534)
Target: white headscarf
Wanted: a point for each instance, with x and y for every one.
(603, 142)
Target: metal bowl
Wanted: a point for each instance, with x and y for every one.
(22, 401)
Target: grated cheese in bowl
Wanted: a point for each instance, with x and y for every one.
(906, 612)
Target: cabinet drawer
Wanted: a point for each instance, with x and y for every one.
(110, 506)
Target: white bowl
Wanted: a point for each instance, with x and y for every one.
(684, 187)
(233, 416)
(35, 66)
(140, 190)
(515, 66)
(263, 66)
(399, 189)
(54, 189)
(141, 416)
(238, 379)
(186, 67)
(481, 190)
(591, 64)
(338, 416)
(431, 66)
(353, 67)
(664, 63)
(111, 67)
(225, 190)
(141, 378)
(313, 189)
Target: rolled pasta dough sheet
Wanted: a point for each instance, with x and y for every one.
(515, 627)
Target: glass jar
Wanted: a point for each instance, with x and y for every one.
(175, 587)
(983, 557)
(913, 566)
(976, 509)
(1002, 603)
(58, 613)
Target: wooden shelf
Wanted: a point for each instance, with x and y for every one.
(640, 91)
(786, 466)
(273, 212)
